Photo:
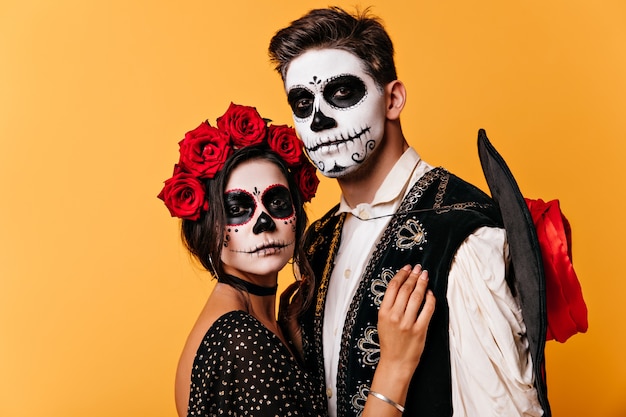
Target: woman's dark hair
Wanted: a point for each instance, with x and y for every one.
(333, 27)
(204, 238)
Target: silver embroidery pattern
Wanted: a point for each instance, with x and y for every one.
(379, 286)
(369, 346)
(384, 243)
(410, 234)
(358, 399)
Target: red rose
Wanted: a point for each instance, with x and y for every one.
(284, 141)
(567, 312)
(244, 125)
(307, 181)
(184, 196)
(204, 150)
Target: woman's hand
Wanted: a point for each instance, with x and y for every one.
(403, 319)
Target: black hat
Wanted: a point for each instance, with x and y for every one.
(527, 278)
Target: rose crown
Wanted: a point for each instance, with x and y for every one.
(204, 150)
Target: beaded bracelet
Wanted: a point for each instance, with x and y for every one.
(387, 400)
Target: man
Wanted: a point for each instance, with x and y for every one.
(395, 209)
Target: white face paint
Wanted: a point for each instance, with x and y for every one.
(338, 109)
(259, 238)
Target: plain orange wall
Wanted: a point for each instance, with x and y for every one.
(96, 292)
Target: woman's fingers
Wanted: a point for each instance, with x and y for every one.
(394, 286)
(418, 292)
(423, 319)
(403, 318)
(405, 291)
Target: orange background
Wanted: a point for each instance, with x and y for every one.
(97, 294)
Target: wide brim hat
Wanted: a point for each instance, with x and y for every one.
(527, 278)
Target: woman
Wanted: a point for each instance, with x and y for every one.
(240, 189)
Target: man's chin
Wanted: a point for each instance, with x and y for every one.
(339, 171)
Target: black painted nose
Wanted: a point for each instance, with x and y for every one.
(321, 121)
(264, 224)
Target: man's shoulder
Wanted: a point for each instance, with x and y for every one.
(455, 186)
(452, 197)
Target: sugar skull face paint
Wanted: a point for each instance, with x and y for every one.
(241, 206)
(338, 109)
(260, 219)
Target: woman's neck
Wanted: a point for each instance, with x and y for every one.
(249, 286)
(259, 293)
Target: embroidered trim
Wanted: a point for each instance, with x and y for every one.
(441, 190)
(414, 196)
(370, 346)
(379, 285)
(462, 206)
(410, 234)
(359, 399)
(313, 246)
(318, 320)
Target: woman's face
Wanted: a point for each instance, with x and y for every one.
(260, 232)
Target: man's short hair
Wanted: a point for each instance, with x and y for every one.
(360, 34)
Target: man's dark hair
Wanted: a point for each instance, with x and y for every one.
(360, 34)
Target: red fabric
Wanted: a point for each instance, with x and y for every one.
(567, 312)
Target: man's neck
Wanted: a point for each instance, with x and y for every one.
(361, 187)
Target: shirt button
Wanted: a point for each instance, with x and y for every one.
(347, 273)
(329, 392)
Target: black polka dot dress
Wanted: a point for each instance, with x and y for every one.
(243, 369)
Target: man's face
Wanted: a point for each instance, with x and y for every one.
(338, 109)
(259, 237)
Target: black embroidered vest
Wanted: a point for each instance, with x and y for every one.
(436, 216)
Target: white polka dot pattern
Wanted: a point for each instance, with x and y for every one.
(243, 369)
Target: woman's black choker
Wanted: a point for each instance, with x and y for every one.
(249, 287)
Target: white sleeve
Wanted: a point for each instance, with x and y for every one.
(492, 372)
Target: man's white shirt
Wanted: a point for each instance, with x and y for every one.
(491, 367)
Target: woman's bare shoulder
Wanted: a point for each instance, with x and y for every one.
(220, 303)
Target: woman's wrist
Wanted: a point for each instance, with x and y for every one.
(391, 393)
(394, 371)
(387, 400)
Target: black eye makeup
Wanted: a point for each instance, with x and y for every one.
(239, 206)
(301, 101)
(277, 200)
(344, 91)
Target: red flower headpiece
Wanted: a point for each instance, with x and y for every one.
(205, 149)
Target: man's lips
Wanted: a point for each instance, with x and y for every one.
(337, 140)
